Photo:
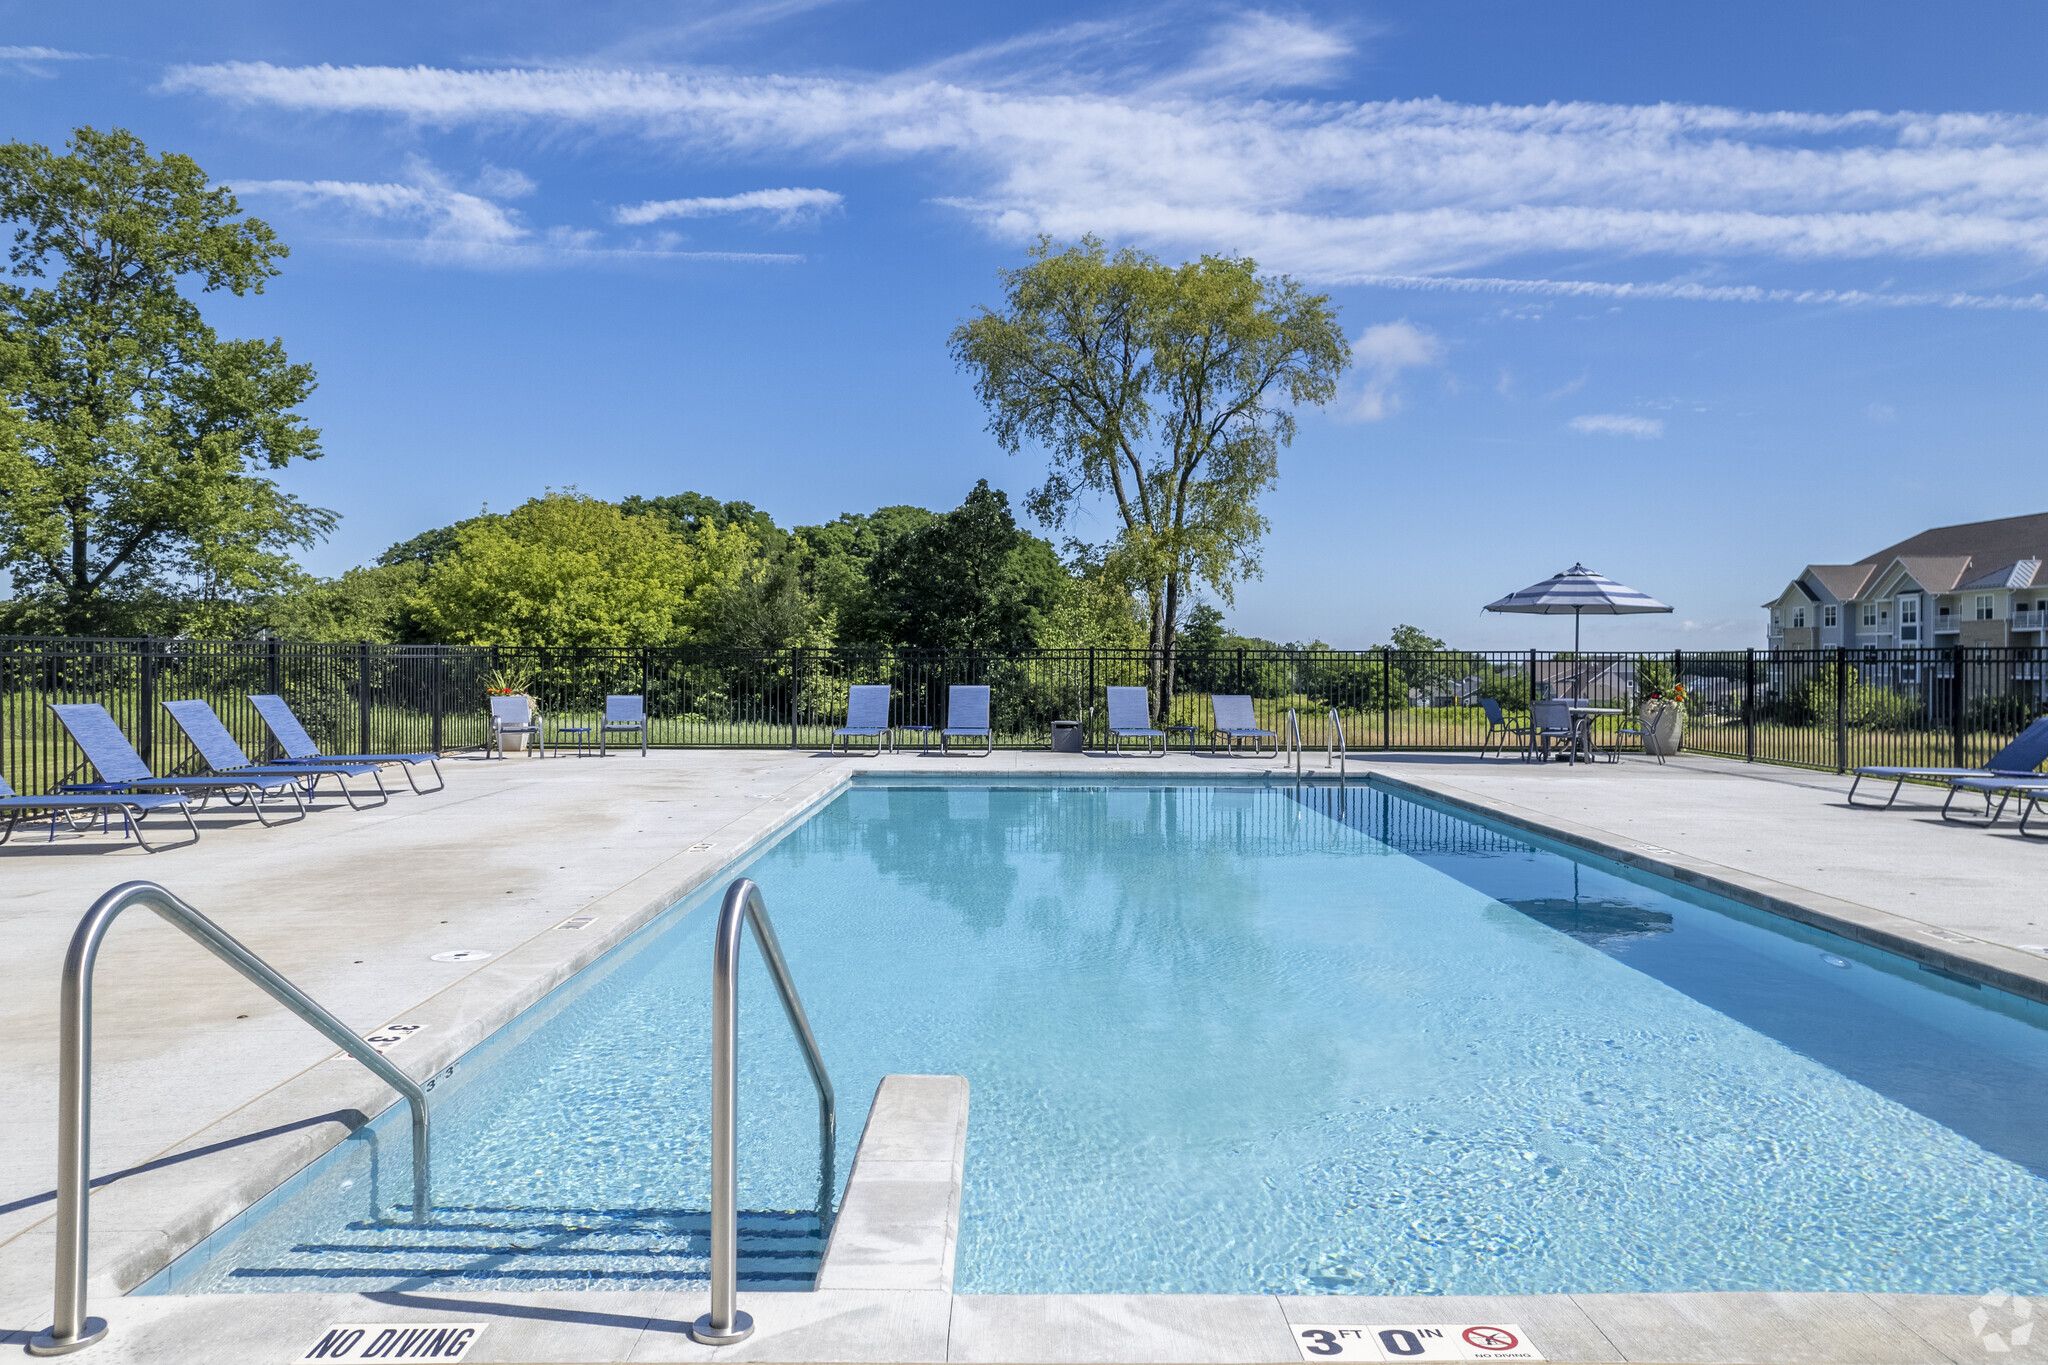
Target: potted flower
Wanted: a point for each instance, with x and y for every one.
(1663, 721)
(514, 682)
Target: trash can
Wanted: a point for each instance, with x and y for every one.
(1066, 737)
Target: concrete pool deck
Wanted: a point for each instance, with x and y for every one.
(206, 1094)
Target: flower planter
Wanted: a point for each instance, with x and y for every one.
(1663, 727)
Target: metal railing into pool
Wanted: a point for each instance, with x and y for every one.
(1337, 746)
(725, 1323)
(70, 1328)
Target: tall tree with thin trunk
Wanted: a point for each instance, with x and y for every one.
(137, 433)
(1168, 391)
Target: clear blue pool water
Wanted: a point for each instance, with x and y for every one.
(1231, 1040)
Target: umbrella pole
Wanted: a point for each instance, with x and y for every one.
(1576, 611)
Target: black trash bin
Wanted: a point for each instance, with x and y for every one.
(1066, 737)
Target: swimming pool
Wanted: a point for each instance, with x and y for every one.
(1230, 1039)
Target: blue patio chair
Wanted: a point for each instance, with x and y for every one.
(1130, 717)
(299, 747)
(514, 716)
(132, 806)
(2018, 759)
(967, 714)
(624, 715)
(217, 748)
(121, 769)
(867, 713)
(1498, 731)
(1235, 720)
(1551, 721)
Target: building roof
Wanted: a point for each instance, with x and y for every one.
(1935, 573)
(1988, 542)
(2022, 574)
(1843, 580)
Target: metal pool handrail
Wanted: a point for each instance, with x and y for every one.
(725, 1323)
(1294, 739)
(70, 1328)
(1337, 746)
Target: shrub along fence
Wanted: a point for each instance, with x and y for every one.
(1827, 708)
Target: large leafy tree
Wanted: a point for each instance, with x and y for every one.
(968, 579)
(139, 435)
(1169, 391)
(570, 570)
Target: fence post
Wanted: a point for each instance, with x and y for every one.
(363, 693)
(1841, 709)
(1239, 684)
(273, 672)
(1749, 708)
(145, 719)
(1955, 700)
(796, 688)
(1386, 698)
(437, 704)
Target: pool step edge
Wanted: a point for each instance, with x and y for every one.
(899, 1220)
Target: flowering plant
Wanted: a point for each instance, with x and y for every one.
(1674, 693)
(505, 682)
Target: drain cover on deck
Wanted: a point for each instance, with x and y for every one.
(462, 955)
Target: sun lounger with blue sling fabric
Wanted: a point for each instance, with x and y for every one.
(2018, 759)
(133, 806)
(2031, 791)
(121, 769)
(1130, 717)
(227, 759)
(299, 747)
(867, 714)
(967, 714)
(1236, 720)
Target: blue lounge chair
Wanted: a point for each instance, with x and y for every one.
(623, 715)
(1235, 720)
(513, 716)
(299, 747)
(2031, 791)
(867, 713)
(226, 758)
(121, 769)
(132, 806)
(2021, 758)
(1130, 717)
(967, 714)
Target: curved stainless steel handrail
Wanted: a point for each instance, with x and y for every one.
(1294, 739)
(70, 1327)
(1337, 745)
(725, 1323)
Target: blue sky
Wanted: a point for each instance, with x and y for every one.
(1694, 294)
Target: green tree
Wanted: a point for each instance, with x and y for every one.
(689, 513)
(131, 469)
(428, 546)
(564, 569)
(968, 580)
(1167, 389)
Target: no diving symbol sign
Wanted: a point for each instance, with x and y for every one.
(1435, 1341)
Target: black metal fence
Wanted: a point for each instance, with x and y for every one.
(1828, 708)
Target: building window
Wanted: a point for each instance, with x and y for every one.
(1984, 607)
(1774, 620)
(1827, 616)
(1870, 613)
(1909, 618)
(1799, 618)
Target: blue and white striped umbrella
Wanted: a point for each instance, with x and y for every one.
(1578, 590)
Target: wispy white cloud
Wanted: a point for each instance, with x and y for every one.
(788, 206)
(1705, 293)
(1258, 51)
(437, 223)
(1617, 424)
(1339, 192)
(42, 54)
(1381, 353)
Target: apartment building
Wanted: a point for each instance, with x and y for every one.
(1982, 583)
